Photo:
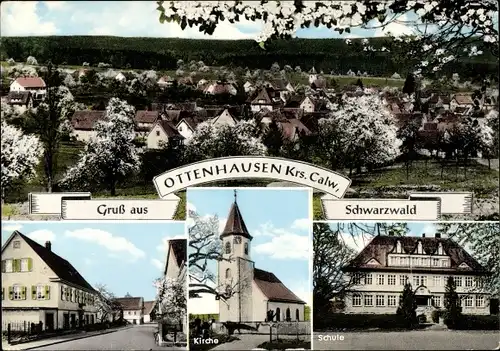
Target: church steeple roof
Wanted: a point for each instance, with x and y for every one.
(235, 225)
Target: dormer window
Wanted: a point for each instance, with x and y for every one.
(440, 249)
(246, 248)
(228, 247)
(419, 248)
(398, 247)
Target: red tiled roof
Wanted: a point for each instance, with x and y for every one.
(130, 303)
(170, 129)
(148, 306)
(235, 223)
(273, 288)
(31, 82)
(142, 116)
(85, 120)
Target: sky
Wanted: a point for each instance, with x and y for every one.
(126, 257)
(135, 18)
(279, 221)
(358, 240)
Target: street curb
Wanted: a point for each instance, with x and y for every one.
(77, 338)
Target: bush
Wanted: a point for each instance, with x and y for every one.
(436, 314)
(421, 319)
(359, 321)
(471, 322)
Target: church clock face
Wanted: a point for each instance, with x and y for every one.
(237, 239)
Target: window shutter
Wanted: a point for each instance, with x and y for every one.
(3, 266)
(11, 293)
(62, 293)
(3, 293)
(47, 292)
(14, 266)
(23, 293)
(30, 264)
(33, 292)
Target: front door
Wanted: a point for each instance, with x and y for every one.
(73, 321)
(66, 321)
(49, 321)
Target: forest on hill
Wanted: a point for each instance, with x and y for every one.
(163, 53)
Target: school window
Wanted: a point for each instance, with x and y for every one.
(423, 280)
(402, 279)
(458, 281)
(380, 279)
(444, 263)
(135, 312)
(16, 244)
(129, 312)
(479, 301)
(436, 301)
(416, 281)
(391, 300)
(414, 261)
(437, 280)
(469, 282)
(368, 300)
(356, 279)
(380, 300)
(368, 279)
(356, 300)
(435, 262)
(391, 279)
(467, 301)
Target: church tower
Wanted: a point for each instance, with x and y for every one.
(236, 269)
(313, 75)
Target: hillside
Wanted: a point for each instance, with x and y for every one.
(163, 53)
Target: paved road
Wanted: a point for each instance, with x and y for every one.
(412, 340)
(139, 337)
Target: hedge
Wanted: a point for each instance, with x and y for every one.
(473, 322)
(359, 321)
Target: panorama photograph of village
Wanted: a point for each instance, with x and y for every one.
(103, 96)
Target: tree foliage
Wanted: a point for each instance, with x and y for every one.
(453, 311)
(408, 306)
(171, 299)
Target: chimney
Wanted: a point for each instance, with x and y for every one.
(48, 245)
(423, 235)
(438, 235)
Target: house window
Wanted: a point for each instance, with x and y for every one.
(403, 279)
(368, 300)
(469, 282)
(380, 279)
(458, 281)
(467, 301)
(68, 294)
(479, 301)
(17, 292)
(380, 300)
(180, 128)
(436, 301)
(391, 300)
(40, 292)
(438, 281)
(356, 300)
(228, 247)
(9, 266)
(157, 133)
(246, 248)
(17, 244)
(368, 279)
(135, 313)
(24, 265)
(435, 262)
(228, 273)
(391, 279)
(129, 312)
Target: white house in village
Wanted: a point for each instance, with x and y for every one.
(387, 263)
(132, 308)
(224, 118)
(40, 286)
(120, 77)
(148, 311)
(83, 124)
(253, 292)
(307, 105)
(162, 133)
(35, 85)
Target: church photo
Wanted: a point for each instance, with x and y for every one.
(249, 267)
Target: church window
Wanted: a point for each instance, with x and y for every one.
(356, 300)
(246, 248)
(228, 273)
(288, 317)
(228, 247)
(297, 315)
(278, 314)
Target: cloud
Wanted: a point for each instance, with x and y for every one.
(356, 242)
(285, 246)
(163, 246)
(55, 5)
(88, 261)
(20, 18)
(137, 18)
(11, 227)
(394, 28)
(429, 229)
(42, 235)
(301, 290)
(115, 244)
(157, 263)
(302, 224)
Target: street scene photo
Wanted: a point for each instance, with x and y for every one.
(406, 286)
(249, 268)
(93, 286)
